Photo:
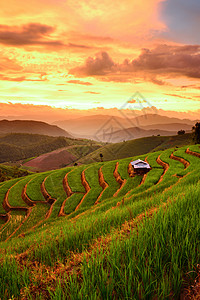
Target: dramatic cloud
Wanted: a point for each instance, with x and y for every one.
(164, 60)
(30, 34)
(58, 37)
(100, 65)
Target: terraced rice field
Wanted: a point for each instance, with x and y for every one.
(67, 211)
(93, 185)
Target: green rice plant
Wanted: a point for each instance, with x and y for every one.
(131, 182)
(175, 167)
(195, 148)
(74, 179)
(54, 186)
(92, 177)
(151, 262)
(3, 190)
(14, 197)
(36, 218)
(57, 243)
(96, 221)
(72, 202)
(12, 279)
(34, 187)
(193, 160)
(113, 186)
(145, 263)
(15, 221)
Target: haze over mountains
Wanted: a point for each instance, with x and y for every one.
(102, 127)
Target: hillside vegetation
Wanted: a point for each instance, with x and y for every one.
(9, 172)
(100, 232)
(137, 147)
(20, 146)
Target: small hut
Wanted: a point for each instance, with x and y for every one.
(140, 167)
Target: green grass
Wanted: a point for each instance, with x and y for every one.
(137, 147)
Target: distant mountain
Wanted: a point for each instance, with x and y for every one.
(89, 126)
(151, 119)
(98, 125)
(169, 127)
(133, 133)
(34, 127)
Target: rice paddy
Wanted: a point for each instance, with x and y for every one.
(95, 232)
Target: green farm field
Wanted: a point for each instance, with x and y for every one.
(96, 231)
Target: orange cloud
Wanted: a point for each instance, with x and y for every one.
(29, 34)
(179, 96)
(164, 60)
(9, 64)
(100, 65)
(75, 81)
(90, 92)
(132, 101)
(50, 114)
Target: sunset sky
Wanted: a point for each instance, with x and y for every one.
(90, 54)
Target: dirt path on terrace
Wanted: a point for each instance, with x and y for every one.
(165, 167)
(119, 180)
(102, 183)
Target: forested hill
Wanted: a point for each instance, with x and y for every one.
(34, 127)
(20, 146)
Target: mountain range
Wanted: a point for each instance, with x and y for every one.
(102, 127)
